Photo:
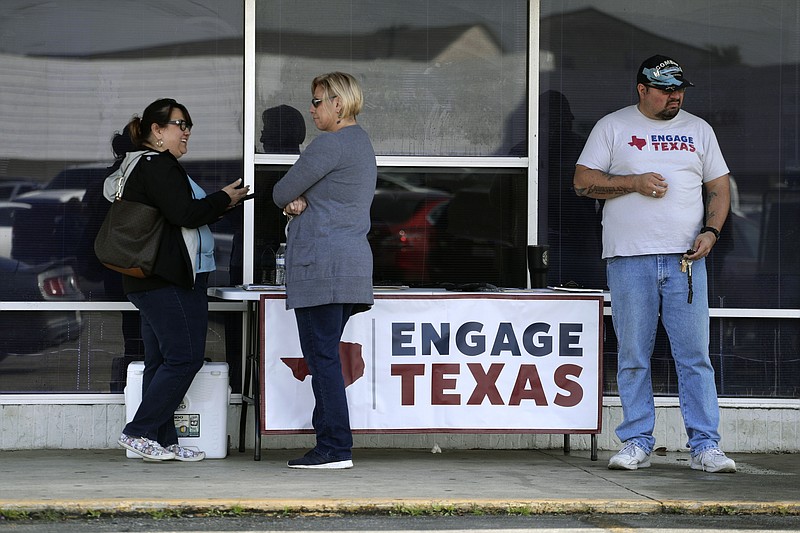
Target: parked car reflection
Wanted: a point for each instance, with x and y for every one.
(10, 188)
(27, 332)
(465, 229)
(60, 225)
(7, 216)
(404, 230)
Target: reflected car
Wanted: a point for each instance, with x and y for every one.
(25, 332)
(49, 230)
(10, 189)
(404, 230)
(66, 214)
(7, 216)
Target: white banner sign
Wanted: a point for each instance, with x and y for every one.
(477, 363)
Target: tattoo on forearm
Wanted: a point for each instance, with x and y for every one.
(594, 190)
(711, 213)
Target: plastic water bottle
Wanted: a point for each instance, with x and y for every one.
(280, 265)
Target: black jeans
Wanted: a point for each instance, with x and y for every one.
(174, 328)
(320, 330)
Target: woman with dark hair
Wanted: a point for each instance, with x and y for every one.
(327, 194)
(172, 302)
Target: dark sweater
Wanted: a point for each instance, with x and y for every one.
(160, 181)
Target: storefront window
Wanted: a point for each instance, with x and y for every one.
(752, 357)
(74, 72)
(444, 78)
(87, 351)
(430, 227)
(745, 66)
(447, 79)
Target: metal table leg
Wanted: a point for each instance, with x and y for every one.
(593, 438)
(251, 389)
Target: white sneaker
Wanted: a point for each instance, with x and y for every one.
(713, 460)
(630, 457)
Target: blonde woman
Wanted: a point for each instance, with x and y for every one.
(327, 194)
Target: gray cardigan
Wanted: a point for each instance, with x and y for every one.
(328, 258)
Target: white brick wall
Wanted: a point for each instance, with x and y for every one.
(757, 427)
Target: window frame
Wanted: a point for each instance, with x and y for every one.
(253, 159)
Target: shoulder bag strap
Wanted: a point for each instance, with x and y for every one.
(131, 164)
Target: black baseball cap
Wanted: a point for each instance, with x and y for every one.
(663, 73)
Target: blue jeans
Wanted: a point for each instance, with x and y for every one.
(320, 329)
(174, 327)
(641, 288)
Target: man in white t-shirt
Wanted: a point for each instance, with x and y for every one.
(651, 162)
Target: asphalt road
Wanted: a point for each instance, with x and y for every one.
(411, 524)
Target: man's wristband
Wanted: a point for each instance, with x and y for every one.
(715, 231)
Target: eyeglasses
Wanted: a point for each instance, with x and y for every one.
(182, 124)
(316, 101)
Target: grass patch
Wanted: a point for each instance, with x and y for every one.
(11, 514)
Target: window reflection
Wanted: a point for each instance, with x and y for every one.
(745, 68)
(63, 98)
(84, 351)
(573, 223)
(440, 78)
(78, 91)
(429, 226)
(751, 357)
(56, 225)
(755, 263)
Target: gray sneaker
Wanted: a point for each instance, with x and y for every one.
(713, 460)
(630, 457)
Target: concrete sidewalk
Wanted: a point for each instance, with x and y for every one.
(79, 482)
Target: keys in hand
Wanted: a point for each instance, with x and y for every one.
(686, 266)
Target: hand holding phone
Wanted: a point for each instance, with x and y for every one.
(242, 200)
(234, 190)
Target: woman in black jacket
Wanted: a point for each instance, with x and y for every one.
(172, 302)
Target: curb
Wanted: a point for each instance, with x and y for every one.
(392, 506)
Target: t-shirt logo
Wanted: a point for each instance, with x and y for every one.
(665, 143)
(637, 142)
(672, 143)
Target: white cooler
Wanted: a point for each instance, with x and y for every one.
(202, 417)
